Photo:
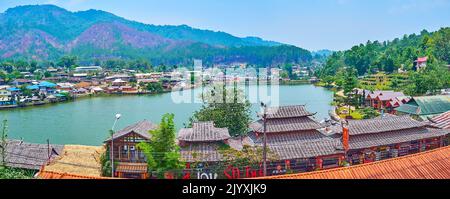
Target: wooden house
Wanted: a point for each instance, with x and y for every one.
(293, 136)
(389, 136)
(426, 165)
(130, 160)
(381, 99)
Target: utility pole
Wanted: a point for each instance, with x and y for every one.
(112, 145)
(265, 139)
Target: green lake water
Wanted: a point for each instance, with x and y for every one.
(86, 121)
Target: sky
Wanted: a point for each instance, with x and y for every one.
(310, 24)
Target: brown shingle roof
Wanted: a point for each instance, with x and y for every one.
(287, 112)
(286, 125)
(378, 125)
(300, 145)
(28, 155)
(322, 147)
(142, 128)
(433, 164)
(202, 132)
(394, 137)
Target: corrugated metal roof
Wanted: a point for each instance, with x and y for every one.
(426, 105)
(433, 164)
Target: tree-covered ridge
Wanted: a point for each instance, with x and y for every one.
(389, 56)
(47, 32)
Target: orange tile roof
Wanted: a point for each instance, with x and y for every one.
(55, 175)
(434, 164)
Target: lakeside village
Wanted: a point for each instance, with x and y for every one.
(285, 140)
(62, 84)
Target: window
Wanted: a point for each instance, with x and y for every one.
(330, 162)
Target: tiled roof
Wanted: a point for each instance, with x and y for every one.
(286, 125)
(326, 146)
(142, 128)
(394, 137)
(384, 124)
(203, 131)
(288, 138)
(434, 164)
(287, 112)
(300, 145)
(56, 175)
(201, 152)
(28, 155)
(441, 121)
(426, 105)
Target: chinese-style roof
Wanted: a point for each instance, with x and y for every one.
(132, 167)
(434, 164)
(287, 112)
(307, 144)
(286, 125)
(426, 105)
(142, 128)
(29, 155)
(382, 124)
(287, 138)
(203, 132)
(394, 137)
(201, 152)
(441, 121)
(322, 147)
(56, 175)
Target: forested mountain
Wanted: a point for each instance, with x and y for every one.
(389, 56)
(47, 32)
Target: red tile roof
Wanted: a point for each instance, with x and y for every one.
(434, 164)
(55, 175)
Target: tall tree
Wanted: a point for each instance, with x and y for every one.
(227, 108)
(162, 152)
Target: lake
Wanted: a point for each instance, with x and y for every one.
(87, 121)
